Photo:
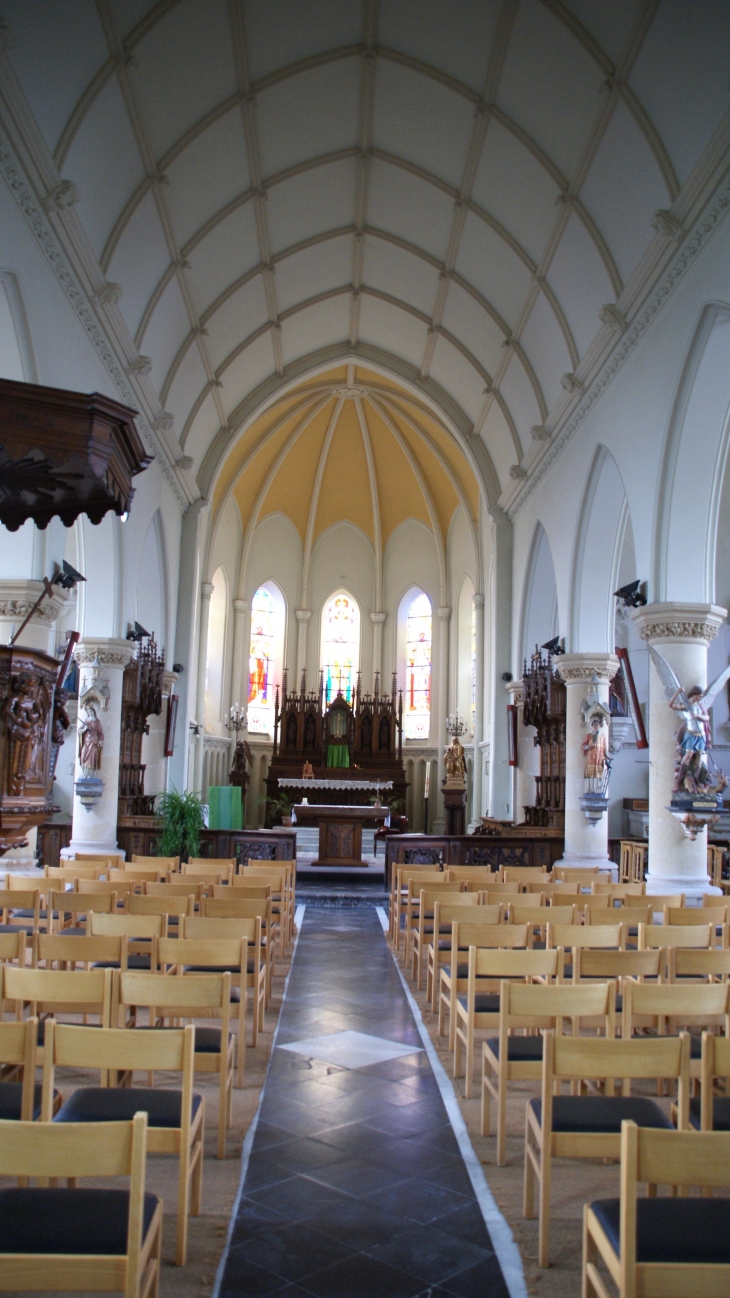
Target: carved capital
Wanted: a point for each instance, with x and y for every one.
(517, 472)
(478, 600)
(377, 619)
(206, 589)
(663, 223)
(540, 433)
(164, 423)
(62, 196)
(109, 295)
(141, 366)
(104, 653)
(18, 597)
(302, 615)
(582, 668)
(611, 316)
(516, 693)
(444, 614)
(677, 622)
(570, 383)
(240, 606)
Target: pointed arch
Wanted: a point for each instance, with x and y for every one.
(539, 620)
(596, 556)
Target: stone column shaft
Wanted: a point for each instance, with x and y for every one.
(681, 633)
(377, 620)
(95, 830)
(528, 758)
(585, 844)
(239, 677)
(476, 797)
(302, 615)
(438, 721)
(206, 590)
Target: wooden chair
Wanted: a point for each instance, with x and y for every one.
(589, 962)
(476, 877)
(19, 1101)
(453, 977)
(702, 966)
(13, 949)
(624, 869)
(69, 952)
(68, 912)
(617, 891)
(239, 905)
(497, 892)
(192, 996)
(139, 931)
(402, 875)
(162, 862)
(278, 875)
(525, 874)
(175, 1118)
(664, 1007)
(715, 861)
(562, 893)
(662, 1247)
(656, 902)
(423, 923)
(217, 870)
(172, 907)
(414, 888)
(116, 856)
(653, 936)
(200, 883)
(589, 1126)
(50, 992)
(523, 1008)
(102, 887)
(137, 878)
(254, 969)
(479, 1009)
(596, 914)
(584, 875)
(54, 1243)
(715, 915)
(538, 917)
(468, 908)
(711, 1112)
(569, 937)
(20, 910)
(73, 870)
(151, 888)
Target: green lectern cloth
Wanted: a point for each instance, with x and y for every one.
(226, 810)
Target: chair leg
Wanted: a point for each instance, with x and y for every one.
(502, 1117)
(196, 1187)
(528, 1189)
(457, 1054)
(486, 1106)
(183, 1204)
(590, 1257)
(469, 1075)
(544, 1208)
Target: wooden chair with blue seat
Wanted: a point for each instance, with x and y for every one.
(426, 875)
(711, 1110)
(662, 1008)
(175, 1118)
(665, 936)
(139, 931)
(71, 952)
(422, 930)
(192, 996)
(19, 1100)
(597, 964)
(173, 907)
(454, 976)
(279, 875)
(20, 910)
(69, 911)
(478, 1009)
(662, 1246)
(468, 907)
(47, 993)
(589, 1125)
(515, 1054)
(245, 903)
(685, 964)
(92, 1239)
(13, 948)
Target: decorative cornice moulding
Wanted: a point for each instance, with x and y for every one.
(703, 230)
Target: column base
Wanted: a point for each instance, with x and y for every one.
(672, 884)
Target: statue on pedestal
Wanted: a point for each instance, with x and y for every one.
(455, 763)
(694, 789)
(91, 741)
(242, 757)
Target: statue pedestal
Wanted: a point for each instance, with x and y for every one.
(454, 806)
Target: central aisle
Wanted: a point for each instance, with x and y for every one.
(355, 1187)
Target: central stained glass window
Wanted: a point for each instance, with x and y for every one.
(340, 646)
(418, 668)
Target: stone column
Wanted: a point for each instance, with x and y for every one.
(239, 689)
(585, 844)
(476, 794)
(17, 598)
(302, 615)
(101, 663)
(206, 590)
(153, 745)
(681, 632)
(377, 620)
(438, 717)
(528, 757)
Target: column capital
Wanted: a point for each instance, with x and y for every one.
(17, 597)
(444, 614)
(169, 681)
(581, 668)
(206, 589)
(678, 623)
(302, 614)
(516, 692)
(240, 606)
(106, 652)
(478, 600)
(377, 619)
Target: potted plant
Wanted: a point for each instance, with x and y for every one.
(182, 819)
(282, 805)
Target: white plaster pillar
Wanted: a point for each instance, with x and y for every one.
(439, 719)
(206, 590)
(239, 691)
(95, 830)
(377, 620)
(302, 615)
(528, 757)
(585, 844)
(681, 632)
(153, 744)
(476, 796)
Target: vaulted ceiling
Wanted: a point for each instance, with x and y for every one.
(452, 189)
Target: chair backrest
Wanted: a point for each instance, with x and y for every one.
(143, 904)
(175, 996)
(235, 907)
(468, 908)
(575, 935)
(53, 990)
(208, 953)
(531, 914)
(79, 1149)
(242, 890)
(618, 915)
(565, 873)
(100, 887)
(405, 873)
(427, 897)
(716, 915)
(524, 873)
(589, 962)
(62, 949)
(617, 890)
(273, 873)
(479, 876)
(199, 882)
(496, 891)
(176, 889)
(153, 869)
(26, 883)
(715, 1063)
(13, 947)
(464, 935)
(21, 899)
(656, 1157)
(65, 874)
(684, 962)
(553, 891)
(199, 864)
(698, 935)
(229, 928)
(658, 902)
(81, 903)
(162, 862)
(682, 1002)
(115, 855)
(71, 1046)
(537, 1005)
(603, 1057)
(485, 962)
(18, 1043)
(136, 876)
(136, 926)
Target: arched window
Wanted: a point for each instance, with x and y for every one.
(340, 645)
(418, 668)
(267, 633)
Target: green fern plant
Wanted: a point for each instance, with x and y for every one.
(182, 820)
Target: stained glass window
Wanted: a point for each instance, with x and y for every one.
(340, 646)
(261, 662)
(418, 668)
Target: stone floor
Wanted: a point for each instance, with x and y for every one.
(355, 1186)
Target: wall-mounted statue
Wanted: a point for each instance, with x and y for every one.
(455, 762)
(692, 778)
(91, 741)
(595, 754)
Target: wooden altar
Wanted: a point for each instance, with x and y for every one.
(340, 830)
(357, 738)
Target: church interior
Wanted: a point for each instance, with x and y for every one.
(364, 590)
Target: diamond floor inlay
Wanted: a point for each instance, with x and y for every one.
(350, 1049)
(355, 1186)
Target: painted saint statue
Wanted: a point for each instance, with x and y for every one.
(91, 740)
(595, 752)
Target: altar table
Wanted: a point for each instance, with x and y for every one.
(340, 830)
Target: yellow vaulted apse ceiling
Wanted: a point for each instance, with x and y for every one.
(350, 446)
